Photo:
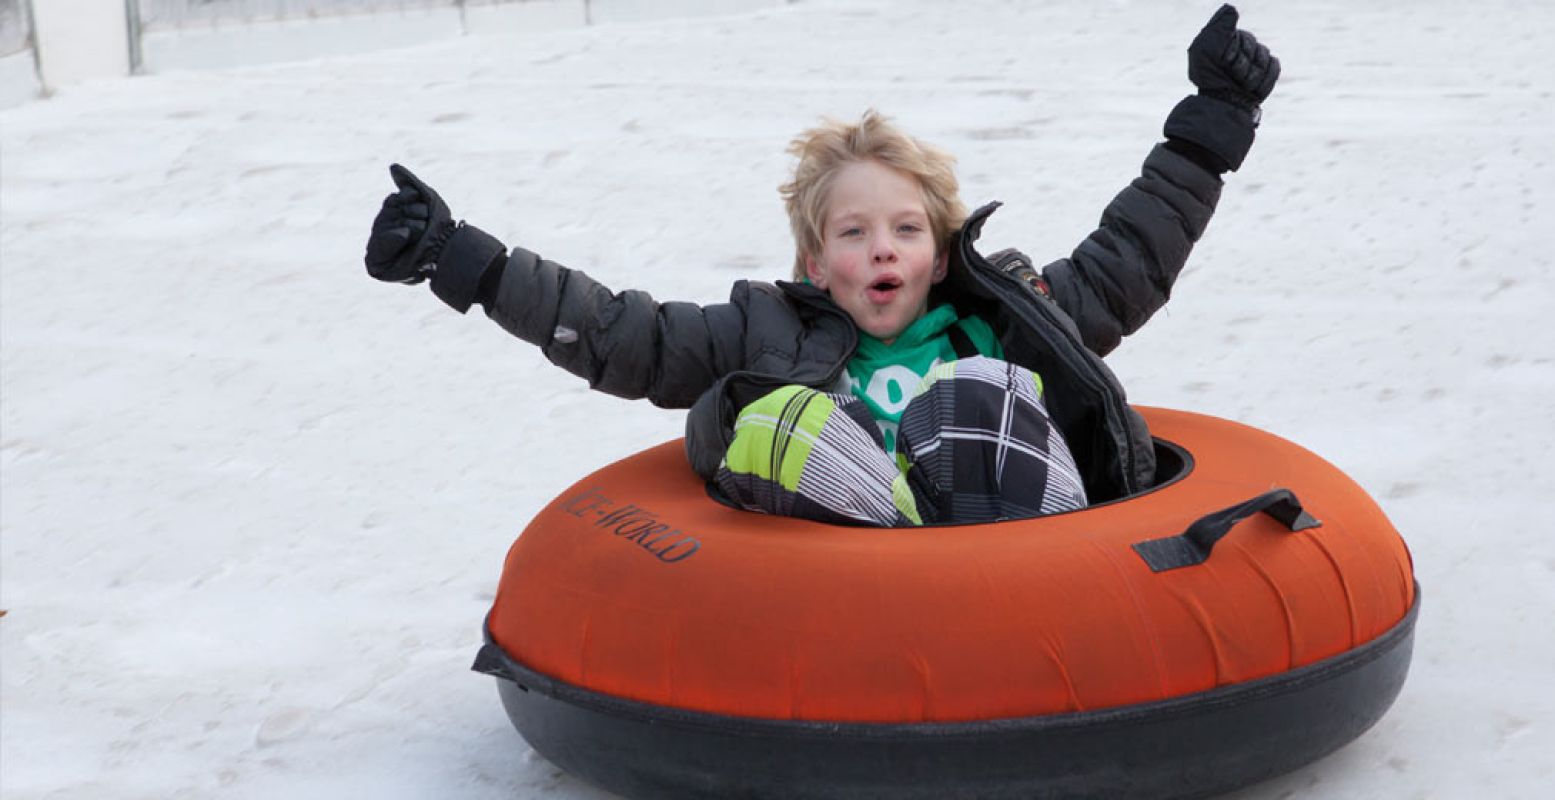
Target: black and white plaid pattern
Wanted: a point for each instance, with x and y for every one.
(982, 447)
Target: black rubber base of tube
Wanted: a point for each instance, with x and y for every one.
(1193, 746)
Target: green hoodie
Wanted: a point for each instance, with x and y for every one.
(886, 376)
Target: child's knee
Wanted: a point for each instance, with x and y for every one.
(777, 429)
(808, 453)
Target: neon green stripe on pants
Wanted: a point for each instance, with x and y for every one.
(774, 435)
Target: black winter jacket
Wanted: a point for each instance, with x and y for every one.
(715, 359)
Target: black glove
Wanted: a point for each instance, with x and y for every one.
(415, 238)
(1229, 64)
(1234, 74)
(409, 231)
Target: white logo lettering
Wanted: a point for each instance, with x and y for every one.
(889, 387)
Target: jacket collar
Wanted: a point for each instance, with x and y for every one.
(973, 227)
(966, 262)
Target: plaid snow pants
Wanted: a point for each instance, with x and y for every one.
(975, 444)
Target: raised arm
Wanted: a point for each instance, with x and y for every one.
(1124, 271)
(623, 343)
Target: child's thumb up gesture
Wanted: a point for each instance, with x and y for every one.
(408, 232)
(1229, 64)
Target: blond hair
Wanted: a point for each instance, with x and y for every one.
(824, 150)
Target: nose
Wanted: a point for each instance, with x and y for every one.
(881, 250)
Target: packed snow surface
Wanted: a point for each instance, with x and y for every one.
(255, 504)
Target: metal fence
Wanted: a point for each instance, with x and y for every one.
(155, 15)
(15, 27)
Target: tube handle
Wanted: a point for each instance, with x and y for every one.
(1193, 546)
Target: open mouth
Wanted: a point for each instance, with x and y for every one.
(884, 288)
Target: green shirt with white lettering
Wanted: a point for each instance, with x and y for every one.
(886, 376)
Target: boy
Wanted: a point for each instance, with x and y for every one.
(907, 378)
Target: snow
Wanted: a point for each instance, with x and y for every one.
(255, 505)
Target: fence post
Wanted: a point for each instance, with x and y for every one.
(132, 30)
(32, 42)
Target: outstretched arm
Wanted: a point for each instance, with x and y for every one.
(1124, 271)
(623, 343)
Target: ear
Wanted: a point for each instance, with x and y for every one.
(814, 272)
(941, 268)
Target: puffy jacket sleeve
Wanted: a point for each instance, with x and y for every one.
(624, 343)
(1123, 272)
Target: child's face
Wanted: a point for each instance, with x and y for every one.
(877, 256)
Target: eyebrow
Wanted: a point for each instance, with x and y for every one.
(837, 218)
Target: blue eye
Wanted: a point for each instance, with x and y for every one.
(851, 232)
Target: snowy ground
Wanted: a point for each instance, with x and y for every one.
(254, 504)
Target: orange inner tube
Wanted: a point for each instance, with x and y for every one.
(634, 583)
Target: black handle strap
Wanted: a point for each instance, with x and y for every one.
(1193, 545)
